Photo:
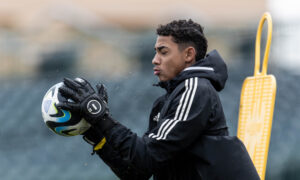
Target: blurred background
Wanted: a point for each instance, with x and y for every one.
(42, 41)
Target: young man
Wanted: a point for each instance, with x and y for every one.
(187, 138)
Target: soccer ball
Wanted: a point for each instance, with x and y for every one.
(60, 121)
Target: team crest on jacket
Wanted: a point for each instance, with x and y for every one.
(156, 118)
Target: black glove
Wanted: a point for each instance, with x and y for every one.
(90, 105)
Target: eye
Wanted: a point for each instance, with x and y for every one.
(164, 52)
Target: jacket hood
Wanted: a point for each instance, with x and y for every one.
(212, 67)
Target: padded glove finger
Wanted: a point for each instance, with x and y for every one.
(69, 106)
(86, 86)
(81, 81)
(71, 84)
(89, 104)
(102, 91)
(69, 93)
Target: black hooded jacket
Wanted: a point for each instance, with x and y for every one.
(187, 137)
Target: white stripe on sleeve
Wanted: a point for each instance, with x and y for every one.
(186, 99)
(181, 99)
(188, 110)
(162, 127)
(182, 109)
(192, 98)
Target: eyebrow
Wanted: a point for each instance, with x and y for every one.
(159, 48)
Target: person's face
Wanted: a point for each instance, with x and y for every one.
(169, 61)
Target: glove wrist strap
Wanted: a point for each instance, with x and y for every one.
(100, 144)
(106, 124)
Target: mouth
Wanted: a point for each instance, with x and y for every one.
(156, 71)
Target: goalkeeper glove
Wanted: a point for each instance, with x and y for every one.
(91, 105)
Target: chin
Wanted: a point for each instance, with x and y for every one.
(163, 79)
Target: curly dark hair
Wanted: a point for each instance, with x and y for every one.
(186, 33)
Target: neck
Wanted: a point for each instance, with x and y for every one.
(188, 64)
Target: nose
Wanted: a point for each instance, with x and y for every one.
(155, 60)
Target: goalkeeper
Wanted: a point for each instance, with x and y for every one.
(187, 137)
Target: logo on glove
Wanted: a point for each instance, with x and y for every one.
(94, 107)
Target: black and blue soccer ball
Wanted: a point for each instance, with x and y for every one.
(61, 121)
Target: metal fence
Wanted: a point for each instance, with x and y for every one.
(29, 150)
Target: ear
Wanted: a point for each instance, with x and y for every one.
(190, 54)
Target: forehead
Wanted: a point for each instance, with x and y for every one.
(165, 41)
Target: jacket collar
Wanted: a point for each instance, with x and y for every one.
(212, 67)
(188, 72)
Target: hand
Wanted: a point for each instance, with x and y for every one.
(92, 106)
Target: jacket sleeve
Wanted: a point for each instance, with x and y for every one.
(123, 169)
(184, 121)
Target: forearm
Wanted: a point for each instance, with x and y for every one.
(122, 168)
(135, 150)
